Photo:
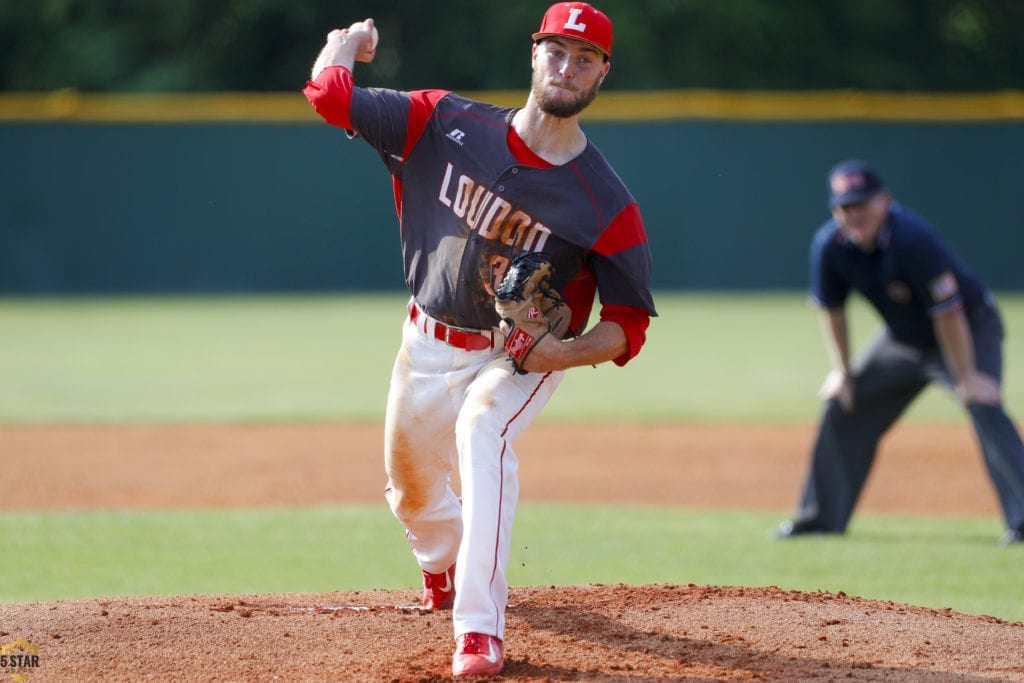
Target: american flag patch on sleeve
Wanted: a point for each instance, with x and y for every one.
(943, 287)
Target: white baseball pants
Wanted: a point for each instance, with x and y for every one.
(449, 405)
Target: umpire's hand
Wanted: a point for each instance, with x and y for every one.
(838, 385)
(977, 387)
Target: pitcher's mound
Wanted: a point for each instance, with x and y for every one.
(557, 633)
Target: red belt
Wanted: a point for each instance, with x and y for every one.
(453, 336)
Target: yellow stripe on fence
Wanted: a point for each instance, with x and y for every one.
(673, 105)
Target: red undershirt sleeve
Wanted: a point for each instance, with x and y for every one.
(331, 95)
(634, 321)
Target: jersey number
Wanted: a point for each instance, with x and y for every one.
(499, 266)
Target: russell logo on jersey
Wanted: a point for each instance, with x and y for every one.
(457, 136)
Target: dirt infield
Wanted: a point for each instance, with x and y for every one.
(717, 466)
(584, 633)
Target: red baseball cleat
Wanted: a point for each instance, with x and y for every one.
(439, 589)
(477, 654)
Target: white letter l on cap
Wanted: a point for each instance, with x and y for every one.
(573, 23)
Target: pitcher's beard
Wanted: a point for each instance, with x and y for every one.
(560, 108)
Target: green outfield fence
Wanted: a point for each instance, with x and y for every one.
(252, 192)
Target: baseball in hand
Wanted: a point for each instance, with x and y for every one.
(374, 37)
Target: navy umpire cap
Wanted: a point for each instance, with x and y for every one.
(853, 181)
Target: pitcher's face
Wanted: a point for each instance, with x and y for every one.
(567, 74)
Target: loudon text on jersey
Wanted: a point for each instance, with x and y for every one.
(489, 215)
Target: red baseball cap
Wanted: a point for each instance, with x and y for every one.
(580, 21)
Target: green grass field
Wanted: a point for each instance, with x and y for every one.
(710, 357)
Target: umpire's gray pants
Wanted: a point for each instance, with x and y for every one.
(887, 378)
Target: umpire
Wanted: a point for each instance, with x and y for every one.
(941, 324)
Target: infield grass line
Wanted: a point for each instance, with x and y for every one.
(939, 563)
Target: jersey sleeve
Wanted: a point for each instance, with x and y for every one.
(623, 266)
(390, 121)
(828, 288)
(622, 269)
(930, 269)
(619, 269)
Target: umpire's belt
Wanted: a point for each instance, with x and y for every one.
(468, 340)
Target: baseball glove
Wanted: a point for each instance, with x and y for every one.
(529, 306)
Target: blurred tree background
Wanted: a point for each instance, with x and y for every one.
(269, 45)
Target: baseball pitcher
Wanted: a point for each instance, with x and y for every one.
(511, 223)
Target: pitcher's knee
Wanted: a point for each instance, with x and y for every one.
(408, 502)
(474, 424)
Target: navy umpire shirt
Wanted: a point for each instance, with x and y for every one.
(911, 277)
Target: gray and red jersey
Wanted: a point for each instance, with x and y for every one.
(471, 197)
